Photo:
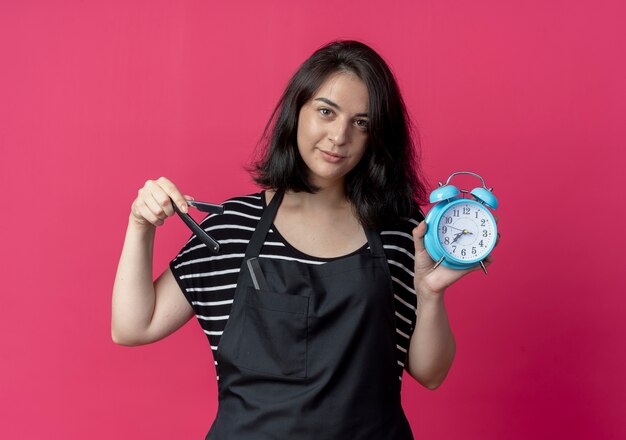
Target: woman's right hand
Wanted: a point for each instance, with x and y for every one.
(153, 205)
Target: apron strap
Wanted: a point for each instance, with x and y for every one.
(258, 237)
(376, 244)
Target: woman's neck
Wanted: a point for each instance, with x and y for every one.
(322, 224)
(333, 197)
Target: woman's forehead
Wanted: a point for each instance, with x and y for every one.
(344, 88)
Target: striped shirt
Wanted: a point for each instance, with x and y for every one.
(208, 280)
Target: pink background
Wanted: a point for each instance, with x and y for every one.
(98, 97)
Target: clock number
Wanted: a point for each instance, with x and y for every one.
(463, 252)
(480, 243)
(446, 240)
(482, 222)
(453, 249)
(473, 250)
(466, 210)
(477, 214)
(455, 212)
(485, 233)
(448, 220)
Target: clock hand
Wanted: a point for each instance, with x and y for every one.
(454, 228)
(460, 234)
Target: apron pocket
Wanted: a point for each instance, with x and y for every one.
(274, 339)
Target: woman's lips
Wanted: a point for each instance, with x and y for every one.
(331, 157)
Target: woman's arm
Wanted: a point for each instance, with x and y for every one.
(432, 347)
(143, 311)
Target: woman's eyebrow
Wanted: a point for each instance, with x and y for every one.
(336, 106)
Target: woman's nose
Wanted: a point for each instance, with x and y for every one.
(339, 132)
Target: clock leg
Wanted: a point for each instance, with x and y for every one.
(484, 268)
(438, 263)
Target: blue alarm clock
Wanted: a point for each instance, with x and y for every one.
(461, 232)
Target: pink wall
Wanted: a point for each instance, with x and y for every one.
(98, 97)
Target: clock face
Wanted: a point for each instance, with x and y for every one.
(466, 231)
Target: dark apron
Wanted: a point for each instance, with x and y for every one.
(315, 356)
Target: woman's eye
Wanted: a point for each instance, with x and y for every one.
(361, 123)
(325, 112)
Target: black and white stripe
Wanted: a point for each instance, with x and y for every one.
(208, 281)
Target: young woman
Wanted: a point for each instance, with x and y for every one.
(350, 298)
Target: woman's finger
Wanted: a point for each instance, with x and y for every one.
(154, 201)
(171, 191)
(146, 212)
(418, 236)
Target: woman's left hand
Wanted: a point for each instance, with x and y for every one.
(434, 282)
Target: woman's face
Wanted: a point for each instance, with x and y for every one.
(332, 129)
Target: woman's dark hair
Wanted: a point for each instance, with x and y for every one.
(385, 184)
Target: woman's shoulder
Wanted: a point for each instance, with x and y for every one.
(397, 233)
(253, 200)
(251, 204)
(404, 224)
